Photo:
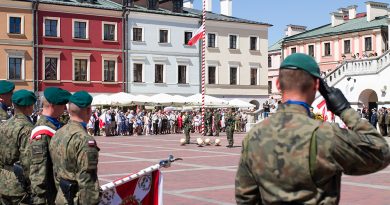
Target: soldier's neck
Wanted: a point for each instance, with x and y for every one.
(296, 97)
(47, 112)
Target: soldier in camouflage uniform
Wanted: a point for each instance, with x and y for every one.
(229, 121)
(187, 122)
(217, 119)
(290, 158)
(208, 123)
(14, 136)
(41, 169)
(75, 153)
(64, 118)
(6, 90)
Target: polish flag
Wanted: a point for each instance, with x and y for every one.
(322, 106)
(198, 35)
(146, 189)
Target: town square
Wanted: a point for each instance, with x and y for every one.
(194, 102)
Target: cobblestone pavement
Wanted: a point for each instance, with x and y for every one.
(206, 174)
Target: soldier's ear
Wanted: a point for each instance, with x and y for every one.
(278, 84)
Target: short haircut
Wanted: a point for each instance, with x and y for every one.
(295, 80)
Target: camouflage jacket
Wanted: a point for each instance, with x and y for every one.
(229, 120)
(208, 117)
(217, 117)
(14, 135)
(387, 118)
(187, 121)
(291, 158)
(75, 157)
(41, 169)
(3, 115)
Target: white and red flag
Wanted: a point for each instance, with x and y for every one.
(197, 36)
(143, 188)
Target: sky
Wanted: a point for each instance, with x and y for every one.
(280, 13)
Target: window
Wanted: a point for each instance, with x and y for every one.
(269, 62)
(232, 41)
(187, 37)
(367, 44)
(109, 71)
(137, 73)
(311, 50)
(159, 73)
(152, 4)
(182, 74)
(109, 31)
(80, 69)
(212, 70)
(177, 5)
(80, 29)
(15, 68)
(327, 49)
(137, 34)
(15, 25)
(211, 40)
(347, 46)
(253, 76)
(164, 36)
(253, 42)
(51, 64)
(233, 75)
(269, 87)
(51, 27)
(293, 50)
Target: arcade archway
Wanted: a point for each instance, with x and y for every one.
(256, 103)
(368, 98)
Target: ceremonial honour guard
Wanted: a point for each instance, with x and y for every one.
(229, 121)
(14, 160)
(187, 126)
(75, 156)
(217, 119)
(6, 90)
(290, 158)
(41, 168)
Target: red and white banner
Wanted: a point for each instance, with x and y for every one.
(197, 36)
(146, 189)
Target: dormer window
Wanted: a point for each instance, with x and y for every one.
(177, 6)
(152, 4)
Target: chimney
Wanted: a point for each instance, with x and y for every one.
(294, 29)
(375, 9)
(337, 18)
(352, 11)
(226, 7)
(188, 4)
(209, 5)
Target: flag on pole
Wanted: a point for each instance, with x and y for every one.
(198, 35)
(147, 189)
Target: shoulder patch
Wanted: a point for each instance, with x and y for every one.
(91, 143)
(41, 130)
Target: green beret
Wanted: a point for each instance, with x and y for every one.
(56, 96)
(6, 87)
(23, 98)
(82, 99)
(300, 61)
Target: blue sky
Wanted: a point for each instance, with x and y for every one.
(310, 13)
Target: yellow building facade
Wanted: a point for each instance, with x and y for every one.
(16, 43)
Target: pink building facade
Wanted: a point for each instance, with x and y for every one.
(350, 35)
(80, 46)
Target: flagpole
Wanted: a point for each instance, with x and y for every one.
(203, 65)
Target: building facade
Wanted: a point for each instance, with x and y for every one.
(80, 46)
(16, 43)
(160, 61)
(350, 35)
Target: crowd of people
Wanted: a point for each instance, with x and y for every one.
(117, 122)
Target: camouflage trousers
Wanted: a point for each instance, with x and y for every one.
(11, 192)
(187, 134)
(217, 128)
(14, 200)
(229, 134)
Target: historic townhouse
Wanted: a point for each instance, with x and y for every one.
(350, 35)
(16, 43)
(236, 55)
(80, 45)
(159, 59)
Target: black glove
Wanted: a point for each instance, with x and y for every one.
(335, 99)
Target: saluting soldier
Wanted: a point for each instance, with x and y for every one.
(291, 158)
(187, 126)
(217, 119)
(75, 155)
(229, 121)
(14, 137)
(6, 90)
(41, 169)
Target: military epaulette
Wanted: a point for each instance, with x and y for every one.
(41, 130)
